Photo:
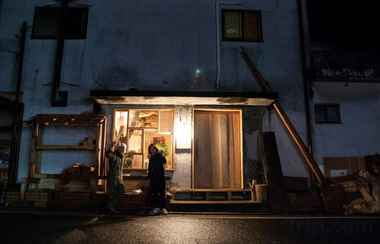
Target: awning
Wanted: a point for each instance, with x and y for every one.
(137, 97)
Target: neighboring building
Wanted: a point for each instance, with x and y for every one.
(342, 52)
(168, 72)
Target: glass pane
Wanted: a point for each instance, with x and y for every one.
(232, 25)
(320, 113)
(136, 161)
(333, 114)
(134, 141)
(120, 126)
(163, 142)
(166, 121)
(252, 27)
(76, 23)
(45, 22)
(143, 118)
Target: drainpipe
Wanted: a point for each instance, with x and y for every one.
(217, 15)
(1, 9)
(20, 69)
(306, 64)
(218, 39)
(55, 93)
(17, 110)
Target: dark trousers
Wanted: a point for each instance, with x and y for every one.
(158, 197)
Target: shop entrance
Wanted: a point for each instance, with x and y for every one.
(217, 149)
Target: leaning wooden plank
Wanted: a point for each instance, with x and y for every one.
(308, 158)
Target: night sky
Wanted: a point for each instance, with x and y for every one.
(345, 24)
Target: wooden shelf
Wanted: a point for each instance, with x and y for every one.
(65, 148)
(97, 123)
(69, 120)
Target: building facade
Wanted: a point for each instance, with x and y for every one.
(343, 72)
(168, 73)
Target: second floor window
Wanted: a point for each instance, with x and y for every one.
(46, 22)
(242, 25)
(327, 114)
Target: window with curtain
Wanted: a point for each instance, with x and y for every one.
(217, 149)
(242, 25)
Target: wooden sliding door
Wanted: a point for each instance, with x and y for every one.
(217, 149)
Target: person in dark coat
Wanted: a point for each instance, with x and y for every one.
(115, 175)
(156, 176)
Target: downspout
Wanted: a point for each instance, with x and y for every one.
(20, 55)
(18, 110)
(217, 14)
(1, 9)
(218, 30)
(306, 64)
(59, 56)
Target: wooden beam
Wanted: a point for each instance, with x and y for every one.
(264, 84)
(303, 150)
(65, 147)
(286, 123)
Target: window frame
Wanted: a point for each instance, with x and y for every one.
(143, 153)
(243, 12)
(325, 119)
(81, 36)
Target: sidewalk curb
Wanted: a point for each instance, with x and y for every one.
(228, 215)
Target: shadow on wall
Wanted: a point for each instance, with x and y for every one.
(117, 77)
(126, 77)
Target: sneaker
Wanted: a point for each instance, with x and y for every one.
(164, 211)
(155, 211)
(113, 210)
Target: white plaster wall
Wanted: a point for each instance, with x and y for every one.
(291, 161)
(358, 134)
(148, 44)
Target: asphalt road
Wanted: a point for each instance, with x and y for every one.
(29, 228)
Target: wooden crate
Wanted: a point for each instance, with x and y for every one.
(40, 199)
(347, 165)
